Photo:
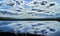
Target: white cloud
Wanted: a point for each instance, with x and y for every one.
(45, 9)
(37, 9)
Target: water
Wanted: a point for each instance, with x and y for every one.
(48, 28)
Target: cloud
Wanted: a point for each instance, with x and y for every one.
(12, 6)
(33, 9)
(43, 7)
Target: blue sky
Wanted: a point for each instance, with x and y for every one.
(28, 0)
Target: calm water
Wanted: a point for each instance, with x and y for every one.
(49, 28)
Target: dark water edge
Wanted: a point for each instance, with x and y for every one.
(19, 34)
(28, 19)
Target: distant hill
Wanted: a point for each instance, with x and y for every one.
(29, 19)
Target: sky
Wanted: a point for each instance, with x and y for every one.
(28, 0)
(27, 8)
